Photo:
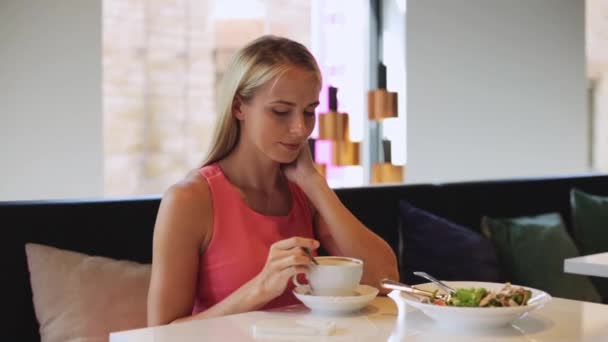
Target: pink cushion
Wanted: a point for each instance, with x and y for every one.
(77, 296)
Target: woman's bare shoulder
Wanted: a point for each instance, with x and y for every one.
(192, 187)
(187, 205)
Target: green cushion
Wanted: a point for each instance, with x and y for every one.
(532, 252)
(590, 221)
(590, 228)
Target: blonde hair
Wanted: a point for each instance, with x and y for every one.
(255, 64)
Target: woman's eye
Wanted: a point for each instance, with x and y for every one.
(280, 113)
(309, 113)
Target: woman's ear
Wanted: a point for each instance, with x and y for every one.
(237, 108)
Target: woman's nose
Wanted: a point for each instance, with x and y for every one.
(298, 126)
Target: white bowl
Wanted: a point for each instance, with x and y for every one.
(364, 294)
(467, 317)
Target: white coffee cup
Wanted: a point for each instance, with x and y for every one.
(333, 276)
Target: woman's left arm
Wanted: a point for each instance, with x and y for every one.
(341, 233)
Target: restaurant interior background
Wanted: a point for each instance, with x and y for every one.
(113, 98)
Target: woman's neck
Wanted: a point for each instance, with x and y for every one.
(247, 168)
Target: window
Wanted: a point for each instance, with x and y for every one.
(163, 61)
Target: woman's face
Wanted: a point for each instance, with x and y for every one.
(281, 116)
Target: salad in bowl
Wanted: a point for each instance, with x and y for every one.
(481, 297)
(474, 304)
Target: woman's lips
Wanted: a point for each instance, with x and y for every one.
(291, 147)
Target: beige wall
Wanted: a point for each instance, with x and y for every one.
(496, 89)
(597, 71)
(50, 99)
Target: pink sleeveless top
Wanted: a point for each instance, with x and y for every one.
(241, 239)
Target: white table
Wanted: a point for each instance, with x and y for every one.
(590, 265)
(559, 320)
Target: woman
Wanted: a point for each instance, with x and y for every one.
(231, 235)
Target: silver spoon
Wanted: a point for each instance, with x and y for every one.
(437, 282)
(312, 258)
(395, 285)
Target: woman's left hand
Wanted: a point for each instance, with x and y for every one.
(302, 169)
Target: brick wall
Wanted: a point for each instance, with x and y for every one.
(162, 61)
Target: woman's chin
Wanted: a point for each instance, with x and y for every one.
(284, 158)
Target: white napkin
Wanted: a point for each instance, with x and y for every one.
(283, 327)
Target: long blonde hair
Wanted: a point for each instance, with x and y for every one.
(252, 66)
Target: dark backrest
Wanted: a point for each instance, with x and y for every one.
(466, 202)
(122, 229)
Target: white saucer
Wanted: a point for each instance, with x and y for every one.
(364, 294)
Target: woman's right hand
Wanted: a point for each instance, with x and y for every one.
(286, 259)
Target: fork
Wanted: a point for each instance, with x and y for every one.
(435, 281)
(395, 285)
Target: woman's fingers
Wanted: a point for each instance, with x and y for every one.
(289, 272)
(295, 242)
(293, 260)
(280, 254)
(286, 259)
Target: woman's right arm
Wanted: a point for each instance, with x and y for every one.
(183, 227)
